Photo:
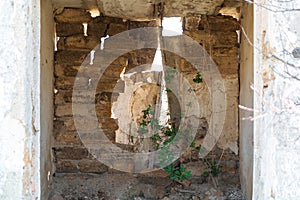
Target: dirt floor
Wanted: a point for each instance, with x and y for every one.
(135, 187)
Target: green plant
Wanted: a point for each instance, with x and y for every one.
(177, 173)
(156, 140)
(171, 133)
(198, 78)
(147, 112)
(213, 168)
(193, 145)
(168, 90)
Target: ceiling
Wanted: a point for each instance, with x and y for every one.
(149, 9)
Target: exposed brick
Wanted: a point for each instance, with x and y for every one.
(211, 23)
(83, 110)
(224, 51)
(65, 166)
(78, 42)
(108, 123)
(222, 23)
(82, 123)
(227, 65)
(110, 134)
(67, 83)
(217, 36)
(71, 153)
(100, 98)
(108, 20)
(110, 86)
(70, 57)
(68, 138)
(92, 166)
(97, 29)
(214, 39)
(191, 23)
(116, 28)
(58, 125)
(141, 24)
(67, 29)
(66, 70)
(73, 15)
(224, 39)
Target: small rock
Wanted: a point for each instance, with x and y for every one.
(195, 198)
(57, 197)
(296, 52)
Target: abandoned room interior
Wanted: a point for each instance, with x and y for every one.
(154, 99)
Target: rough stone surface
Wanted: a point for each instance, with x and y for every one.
(144, 10)
(126, 186)
(72, 15)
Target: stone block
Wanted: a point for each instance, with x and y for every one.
(71, 153)
(68, 138)
(108, 20)
(191, 23)
(116, 28)
(227, 65)
(141, 24)
(82, 110)
(111, 86)
(111, 135)
(73, 15)
(70, 57)
(68, 29)
(92, 166)
(223, 39)
(65, 166)
(82, 123)
(78, 42)
(219, 23)
(61, 70)
(67, 83)
(224, 51)
(108, 123)
(97, 29)
(58, 125)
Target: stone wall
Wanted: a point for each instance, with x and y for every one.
(216, 34)
(73, 47)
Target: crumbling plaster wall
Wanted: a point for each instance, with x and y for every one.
(20, 100)
(276, 101)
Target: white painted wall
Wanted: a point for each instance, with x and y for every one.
(277, 131)
(19, 99)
